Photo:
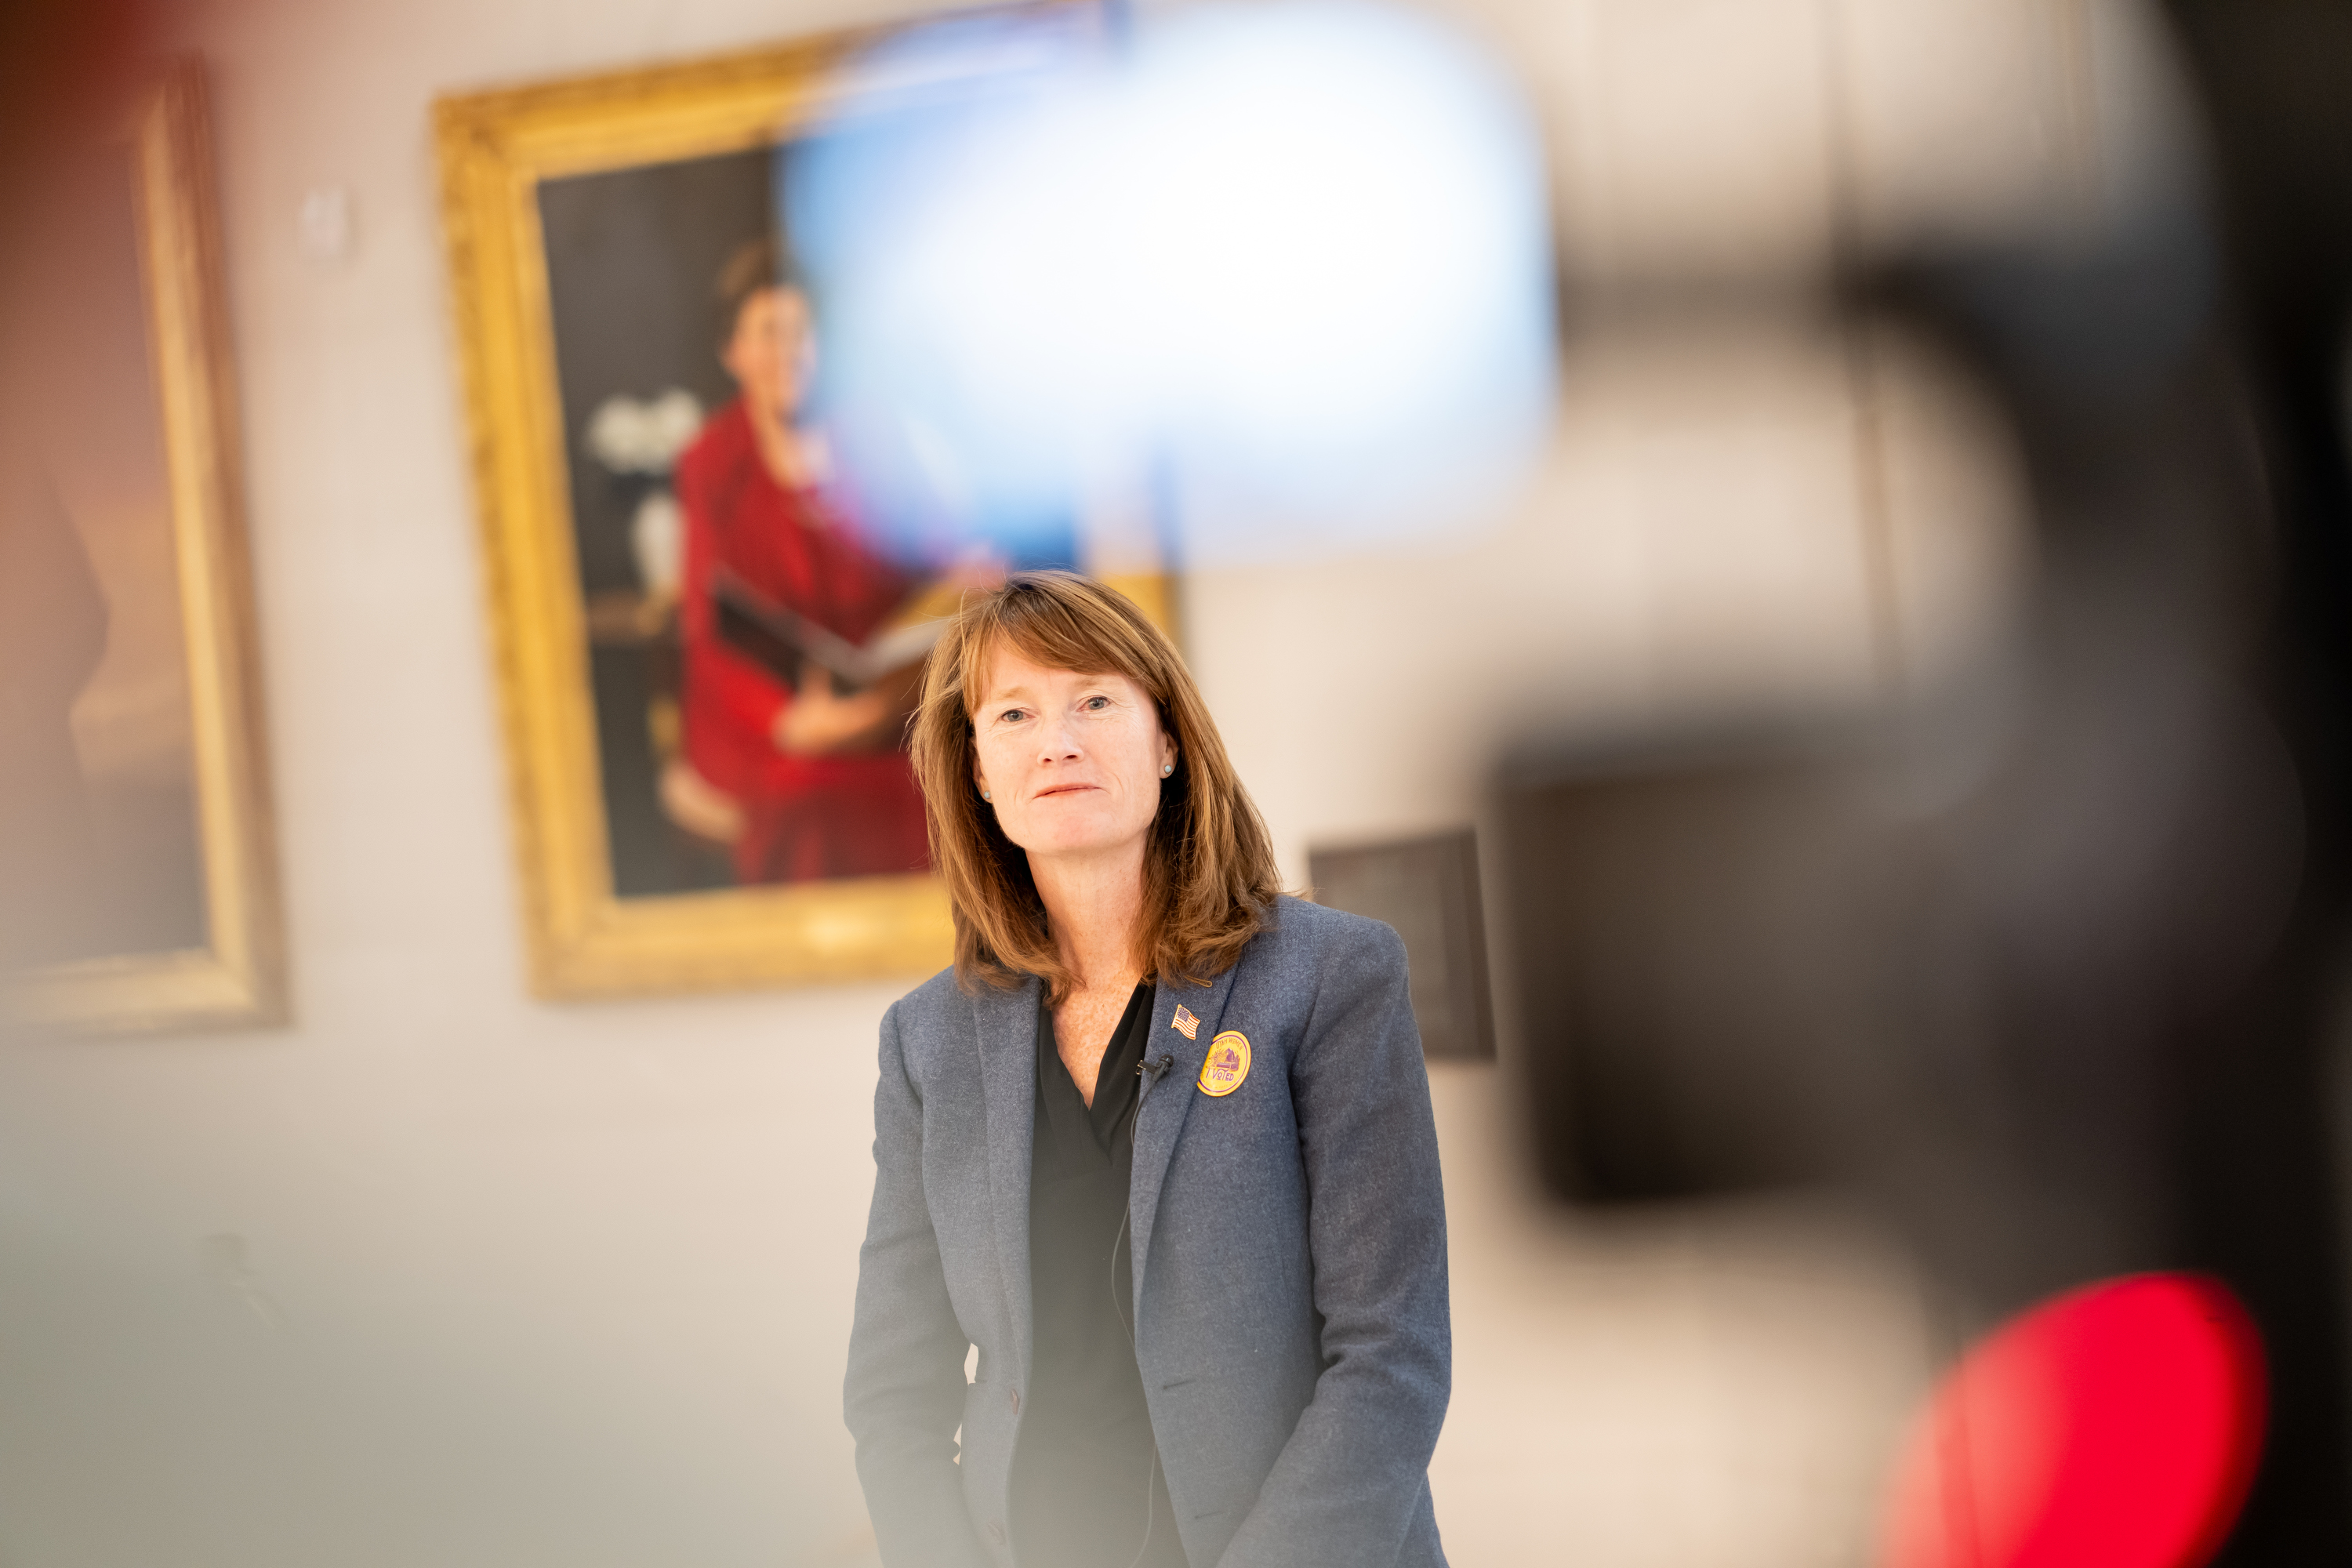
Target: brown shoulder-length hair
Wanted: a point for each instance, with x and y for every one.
(1209, 876)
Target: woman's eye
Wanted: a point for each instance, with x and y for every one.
(1012, 715)
(1096, 704)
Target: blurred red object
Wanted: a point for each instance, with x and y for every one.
(2114, 1426)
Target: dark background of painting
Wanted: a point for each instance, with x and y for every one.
(633, 289)
(634, 258)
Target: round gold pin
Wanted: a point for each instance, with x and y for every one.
(1227, 1064)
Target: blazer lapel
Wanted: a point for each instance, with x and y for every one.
(1006, 1025)
(1167, 1099)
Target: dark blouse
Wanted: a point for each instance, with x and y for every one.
(1086, 1487)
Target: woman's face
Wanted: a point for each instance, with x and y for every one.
(1072, 760)
(773, 353)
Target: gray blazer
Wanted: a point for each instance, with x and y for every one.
(1289, 1245)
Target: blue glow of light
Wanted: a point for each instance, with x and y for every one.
(1292, 257)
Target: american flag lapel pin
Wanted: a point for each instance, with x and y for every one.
(1185, 1024)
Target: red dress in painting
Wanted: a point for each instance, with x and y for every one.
(804, 817)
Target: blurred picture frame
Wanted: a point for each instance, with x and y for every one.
(147, 849)
(590, 225)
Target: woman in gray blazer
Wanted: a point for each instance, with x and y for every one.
(1158, 1145)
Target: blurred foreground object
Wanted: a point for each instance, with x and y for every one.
(2042, 951)
(1290, 259)
(2114, 1427)
(66, 68)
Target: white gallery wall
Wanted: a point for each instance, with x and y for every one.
(444, 1275)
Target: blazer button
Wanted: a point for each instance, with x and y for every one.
(1016, 1402)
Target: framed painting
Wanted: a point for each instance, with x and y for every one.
(708, 612)
(140, 859)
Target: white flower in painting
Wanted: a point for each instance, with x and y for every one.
(632, 438)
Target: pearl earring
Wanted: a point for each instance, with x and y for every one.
(1167, 768)
(986, 796)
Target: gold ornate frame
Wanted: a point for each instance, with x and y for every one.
(238, 979)
(495, 148)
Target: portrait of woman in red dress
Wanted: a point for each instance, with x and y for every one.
(805, 778)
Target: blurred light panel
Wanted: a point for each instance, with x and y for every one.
(1292, 260)
(2116, 1426)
